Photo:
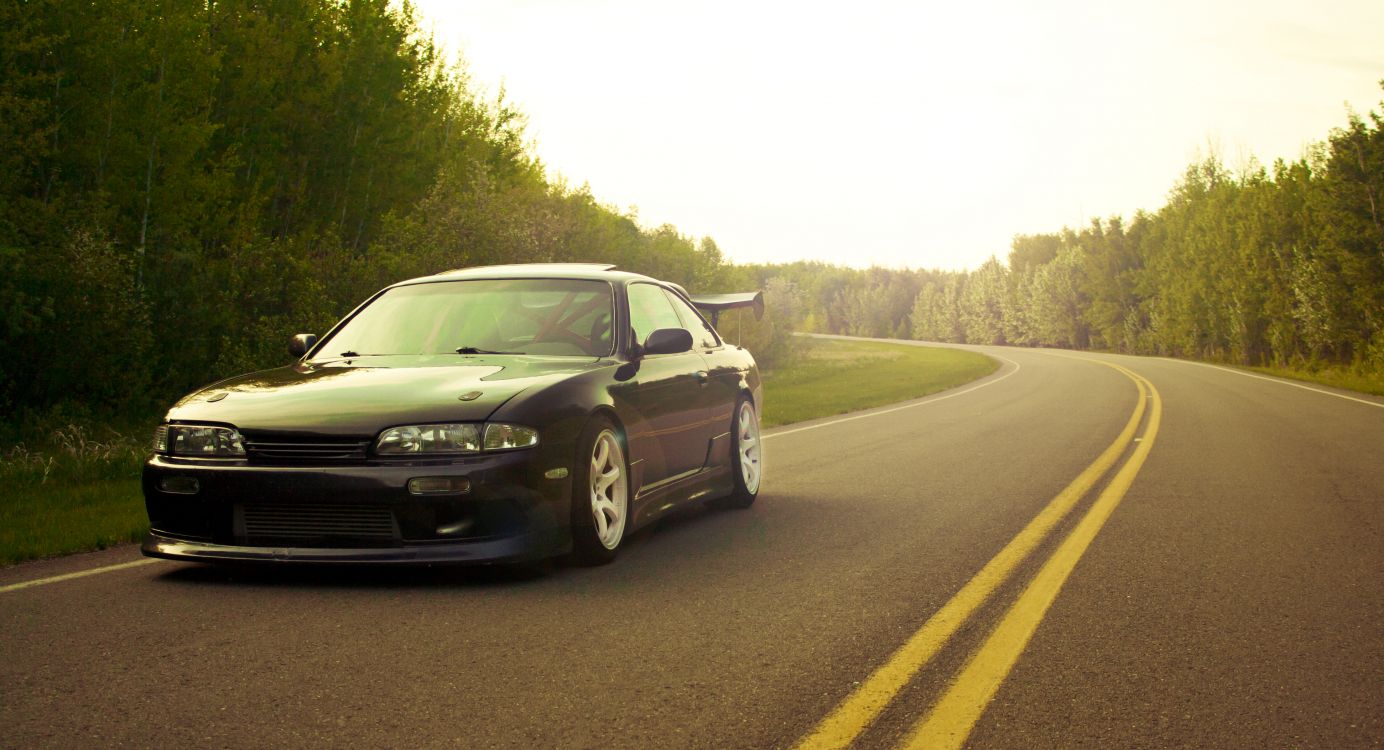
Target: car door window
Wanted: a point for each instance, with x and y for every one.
(702, 332)
(650, 310)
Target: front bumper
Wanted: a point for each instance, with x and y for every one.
(510, 549)
(358, 513)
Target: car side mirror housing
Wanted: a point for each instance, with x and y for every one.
(668, 341)
(300, 344)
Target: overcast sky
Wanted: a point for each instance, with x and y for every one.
(909, 134)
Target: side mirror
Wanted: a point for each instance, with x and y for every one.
(668, 341)
(300, 344)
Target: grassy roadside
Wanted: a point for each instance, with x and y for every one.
(836, 376)
(56, 519)
(1334, 377)
(80, 490)
(1347, 377)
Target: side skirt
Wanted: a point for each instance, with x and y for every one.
(655, 500)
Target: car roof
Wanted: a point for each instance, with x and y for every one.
(592, 271)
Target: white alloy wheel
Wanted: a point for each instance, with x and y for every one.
(609, 489)
(747, 427)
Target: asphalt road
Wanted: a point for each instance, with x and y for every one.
(1232, 597)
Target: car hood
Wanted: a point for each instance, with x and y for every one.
(362, 396)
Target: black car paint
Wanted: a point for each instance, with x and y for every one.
(675, 411)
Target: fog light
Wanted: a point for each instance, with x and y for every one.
(454, 529)
(439, 486)
(179, 485)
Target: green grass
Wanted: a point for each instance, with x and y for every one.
(77, 492)
(56, 519)
(835, 377)
(79, 489)
(1336, 377)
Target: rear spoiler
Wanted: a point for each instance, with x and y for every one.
(715, 303)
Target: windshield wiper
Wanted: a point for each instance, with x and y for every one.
(474, 350)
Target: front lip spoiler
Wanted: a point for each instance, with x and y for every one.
(512, 549)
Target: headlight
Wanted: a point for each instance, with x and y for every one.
(499, 437)
(429, 438)
(453, 439)
(199, 440)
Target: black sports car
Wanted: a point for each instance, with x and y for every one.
(483, 415)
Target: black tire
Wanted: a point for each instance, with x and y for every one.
(588, 547)
(743, 495)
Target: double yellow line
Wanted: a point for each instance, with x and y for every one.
(951, 718)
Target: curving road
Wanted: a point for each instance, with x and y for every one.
(923, 576)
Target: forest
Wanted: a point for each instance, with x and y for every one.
(186, 184)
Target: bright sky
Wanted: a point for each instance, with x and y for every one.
(923, 134)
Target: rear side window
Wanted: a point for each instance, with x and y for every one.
(702, 332)
(650, 310)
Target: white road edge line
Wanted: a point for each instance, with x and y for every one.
(1280, 381)
(927, 400)
(78, 574)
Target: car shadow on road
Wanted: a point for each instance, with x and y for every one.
(362, 576)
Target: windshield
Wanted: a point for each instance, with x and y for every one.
(511, 316)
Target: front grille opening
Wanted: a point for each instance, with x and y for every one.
(292, 449)
(320, 524)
